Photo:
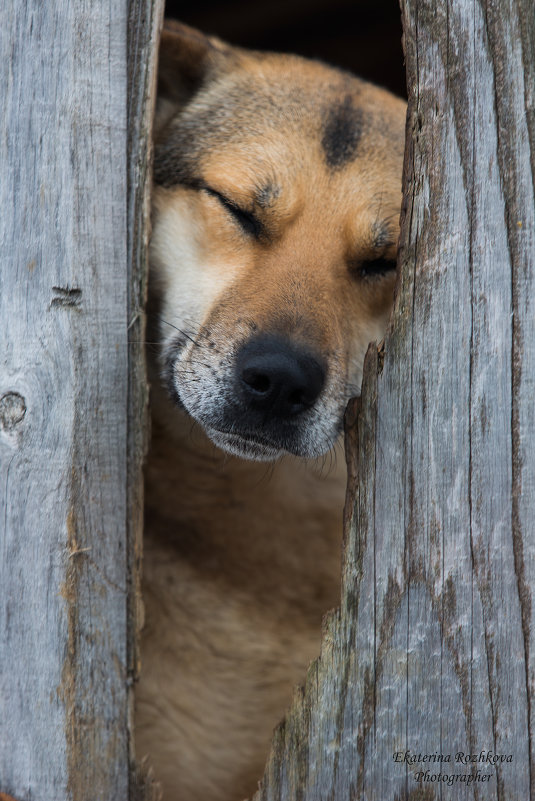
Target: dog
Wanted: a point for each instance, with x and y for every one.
(276, 200)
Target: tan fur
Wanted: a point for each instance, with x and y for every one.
(242, 558)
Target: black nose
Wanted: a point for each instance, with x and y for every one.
(278, 377)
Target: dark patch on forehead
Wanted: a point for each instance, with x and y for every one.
(342, 131)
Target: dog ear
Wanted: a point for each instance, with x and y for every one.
(186, 59)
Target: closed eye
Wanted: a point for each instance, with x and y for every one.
(376, 268)
(245, 219)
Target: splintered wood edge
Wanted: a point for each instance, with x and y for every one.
(144, 26)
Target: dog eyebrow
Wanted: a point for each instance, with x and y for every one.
(382, 236)
(265, 195)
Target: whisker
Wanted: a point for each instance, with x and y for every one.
(180, 330)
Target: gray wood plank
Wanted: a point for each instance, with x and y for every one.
(64, 399)
(431, 652)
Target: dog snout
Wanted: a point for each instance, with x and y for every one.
(278, 378)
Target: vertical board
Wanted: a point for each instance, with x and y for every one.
(144, 24)
(63, 402)
(431, 655)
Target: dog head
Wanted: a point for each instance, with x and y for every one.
(275, 223)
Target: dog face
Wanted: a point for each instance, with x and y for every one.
(275, 222)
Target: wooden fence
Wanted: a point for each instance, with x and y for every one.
(431, 652)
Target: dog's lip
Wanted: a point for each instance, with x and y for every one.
(247, 436)
(244, 442)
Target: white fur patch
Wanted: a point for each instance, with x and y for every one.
(189, 283)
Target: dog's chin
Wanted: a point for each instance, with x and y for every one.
(244, 446)
(252, 445)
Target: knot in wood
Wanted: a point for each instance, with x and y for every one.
(12, 410)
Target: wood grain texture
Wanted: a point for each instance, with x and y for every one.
(66, 494)
(431, 651)
(144, 24)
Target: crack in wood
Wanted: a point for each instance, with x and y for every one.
(66, 296)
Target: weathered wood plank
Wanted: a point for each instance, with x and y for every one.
(432, 651)
(65, 491)
(144, 24)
